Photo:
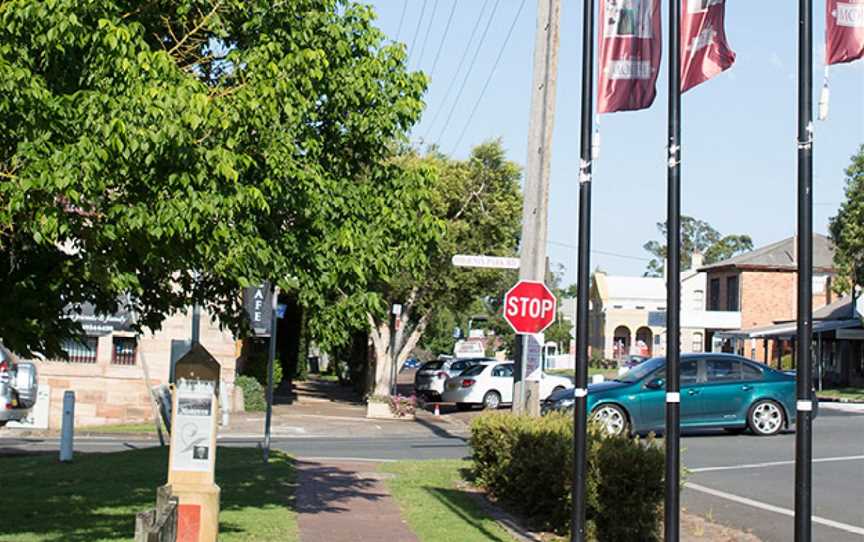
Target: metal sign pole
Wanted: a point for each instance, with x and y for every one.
(580, 415)
(271, 356)
(673, 283)
(804, 366)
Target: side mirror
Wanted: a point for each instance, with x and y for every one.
(656, 384)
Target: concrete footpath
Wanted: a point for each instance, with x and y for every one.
(341, 501)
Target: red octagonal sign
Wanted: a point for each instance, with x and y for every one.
(529, 307)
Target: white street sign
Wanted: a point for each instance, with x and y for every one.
(494, 262)
(396, 309)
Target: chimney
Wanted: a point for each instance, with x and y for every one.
(696, 260)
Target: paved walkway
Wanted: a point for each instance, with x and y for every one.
(346, 502)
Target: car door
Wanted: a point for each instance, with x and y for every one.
(652, 400)
(690, 383)
(724, 392)
(502, 381)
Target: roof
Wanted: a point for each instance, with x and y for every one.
(780, 256)
(787, 330)
(842, 309)
(620, 287)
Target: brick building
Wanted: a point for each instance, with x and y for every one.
(762, 286)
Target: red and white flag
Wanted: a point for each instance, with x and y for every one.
(704, 49)
(844, 32)
(630, 46)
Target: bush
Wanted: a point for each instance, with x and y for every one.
(256, 366)
(527, 463)
(253, 393)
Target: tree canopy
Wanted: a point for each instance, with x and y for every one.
(696, 236)
(847, 228)
(178, 150)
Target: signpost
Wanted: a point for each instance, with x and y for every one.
(491, 262)
(529, 307)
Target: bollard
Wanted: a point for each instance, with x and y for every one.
(67, 430)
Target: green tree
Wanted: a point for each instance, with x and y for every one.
(178, 150)
(847, 228)
(478, 204)
(696, 236)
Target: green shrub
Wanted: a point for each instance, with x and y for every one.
(256, 366)
(527, 463)
(253, 393)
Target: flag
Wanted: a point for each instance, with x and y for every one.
(630, 46)
(844, 31)
(704, 49)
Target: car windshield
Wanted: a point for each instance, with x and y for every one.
(474, 371)
(432, 365)
(641, 371)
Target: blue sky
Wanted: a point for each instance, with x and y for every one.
(739, 131)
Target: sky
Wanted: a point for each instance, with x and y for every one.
(739, 129)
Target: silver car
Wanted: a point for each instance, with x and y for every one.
(430, 377)
(18, 387)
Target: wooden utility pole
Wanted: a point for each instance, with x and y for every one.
(532, 258)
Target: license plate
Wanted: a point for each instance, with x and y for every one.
(451, 386)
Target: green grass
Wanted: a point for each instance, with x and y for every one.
(436, 508)
(851, 394)
(130, 428)
(96, 497)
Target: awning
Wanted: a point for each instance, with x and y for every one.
(788, 330)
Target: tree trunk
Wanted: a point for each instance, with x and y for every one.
(380, 334)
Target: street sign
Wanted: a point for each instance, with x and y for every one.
(529, 307)
(258, 302)
(493, 262)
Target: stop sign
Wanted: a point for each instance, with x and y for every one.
(529, 307)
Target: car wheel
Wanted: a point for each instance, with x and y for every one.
(463, 406)
(611, 418)
(765, 418)
(492, 400)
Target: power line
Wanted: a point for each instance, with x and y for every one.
(426, 37)
(417, 30)
(489, 78)
(458, 67)
(402, 18)
(468, 72)
(443, 39)
(604, 253)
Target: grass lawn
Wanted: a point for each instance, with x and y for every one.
(96, 497)
(137, 428)
(851, 394)
(435, 508)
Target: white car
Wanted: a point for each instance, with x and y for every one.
(18, 387)
(490, 384)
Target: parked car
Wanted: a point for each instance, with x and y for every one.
(490, 384)
(430, 377)
(18, 387)
(717, 391)
(411, 363)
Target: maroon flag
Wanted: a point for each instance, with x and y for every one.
(704, 49)
(844, 35)
(630, 46)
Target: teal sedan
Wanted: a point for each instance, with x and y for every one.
(721, 391)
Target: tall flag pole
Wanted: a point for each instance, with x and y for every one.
(673, 281)
(804, 427)
(580, 414)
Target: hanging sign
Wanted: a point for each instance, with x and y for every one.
(258, 302)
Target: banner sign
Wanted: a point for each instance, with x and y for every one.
(258, 302)
(844, 31)
(192, 432)
(630, 47)
(704, 49)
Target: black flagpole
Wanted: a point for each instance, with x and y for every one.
(804, 428)
(673, 283)
(580, 416)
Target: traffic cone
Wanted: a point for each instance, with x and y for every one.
(437, 410)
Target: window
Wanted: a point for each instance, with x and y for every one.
(80, 350)
(750, 372)
(123, 351)
(732, 293)
(458, 366)
(698, 300)
(723, 370)
(714, 295)
(697, 343)
(505, 371)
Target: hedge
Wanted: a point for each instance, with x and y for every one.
(253, 393)
(527, 463)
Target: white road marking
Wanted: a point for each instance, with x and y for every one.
(775, 464)
(771, 508)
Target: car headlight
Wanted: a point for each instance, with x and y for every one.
(563, 404)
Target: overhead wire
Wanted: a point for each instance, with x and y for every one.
(402, 18)
(489, 78)
(458, 69)
(601, 252)
(468, 72)
(443, 40)
(417, 31)
(426, 37)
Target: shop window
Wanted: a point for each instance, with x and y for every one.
(81, 350)
(123, 352)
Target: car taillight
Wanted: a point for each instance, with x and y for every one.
(4, 371)
(467, 382)
(442, 374)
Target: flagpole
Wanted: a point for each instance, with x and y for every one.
(580, 415)
(804, 428)
(673, 282)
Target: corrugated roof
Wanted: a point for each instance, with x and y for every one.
(780, 255)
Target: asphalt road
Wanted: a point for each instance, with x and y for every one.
(742, 481)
